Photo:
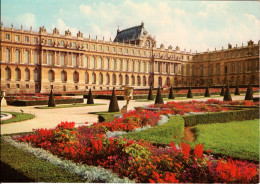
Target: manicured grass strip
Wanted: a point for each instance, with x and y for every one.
(179, 98)
(68, 106)
(238, 139)
(33, 168)
(172, 131)
(18, 117)
(105, 116)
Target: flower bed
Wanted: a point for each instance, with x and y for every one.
(140, 160)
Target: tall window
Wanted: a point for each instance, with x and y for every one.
(126, 65)
(99, 63)
(120, 79)
(238, 67)
(120, 65)
(35, 40)
(107, 78)
(62, 43)
(26, 38)
(149, 67)
(63, 76)
(114, 79)
(126, 79)
(49, 42)
(16, 38)
(85, 62)
(27, 74)
(76, 77)
(35, 75)
(86, 78)
(144, 67)
(106, 63)
(92, 62)
(7, 73)
(218, 69)
(138, 80)
(51, 75)
(74, 45)
(133, 80)
(138, 66)
(93, 78)
(26, 57)
(49, 58)
(7, 55)
(62, 60)
(36, 58)
(17, 56)
(201, 70)
(132, 66)
(17, 74)
(144, 81)
(100, 78)
(113, 64)
(74, 60)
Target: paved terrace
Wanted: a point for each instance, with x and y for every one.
(50, 118)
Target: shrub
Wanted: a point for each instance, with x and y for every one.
(113, 106)
(249, 93)
(227, 96)
(90, 97)
(237, 92)
(207, 92)
(171, 96)
(159, 99)
(150, 95)
(51, 102)
(222, 92)
(189, 95)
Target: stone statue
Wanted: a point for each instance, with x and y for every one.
(128, 95)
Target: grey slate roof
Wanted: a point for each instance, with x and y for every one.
(129, 34)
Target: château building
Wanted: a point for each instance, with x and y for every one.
(40, 61)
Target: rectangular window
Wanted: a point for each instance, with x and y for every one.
(201, 70)
(144, 53)
(85, 46)
(100, 47)
(17, 38)
(193, 70)
(35, 40)
(126, 51)
(218, 69)
(93, 47)
(7, 36)
(35, 58)
(26, 38)
(113, 49)
(49, 42)
(226, 69)
(85, 62)
(120, 50)
(107, 48)
(138, 52)
(74, 45)
(132, 51)
(188, 70)
(62, 43)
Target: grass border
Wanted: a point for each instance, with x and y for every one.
(68, 106)
(18, 117)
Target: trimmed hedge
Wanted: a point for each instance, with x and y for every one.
(44, 102)
(221, 117)
(173, 130)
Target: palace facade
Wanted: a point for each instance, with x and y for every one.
(40, 61)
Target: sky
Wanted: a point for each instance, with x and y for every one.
(191, 25)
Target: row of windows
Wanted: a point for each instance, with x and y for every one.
(17, 38)
(17, 56)
(18, 74)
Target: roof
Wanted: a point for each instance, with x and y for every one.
(130, 34)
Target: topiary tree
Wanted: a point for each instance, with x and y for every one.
(158, 99)
(90, 97)
(227, 96)
(113, 105)
(249, 93)
(207, 94)
(237, 92)
(51, 102)
(171, 96)
(222, 92)
(150, 95)
(189, 95)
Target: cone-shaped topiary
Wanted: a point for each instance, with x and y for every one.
(189, 94)
(113, 106)
(227, 96)
(222, 92)
(158, 99)
(237, 92)
(51, 102)
(150, 95)
(249, 93)
(171, 96)
(207, 94)
(90, 97)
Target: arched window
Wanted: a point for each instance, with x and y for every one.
(93, 78)
(7, 55)
(99, 63)
(27, 74)
(150, 81)
(168, 81)
(26, 57)
(36, 57)
(17, 56)
(76, 77)
(100, 78)
(126, 79)
(120, 79)
(138, 80)
(74, 60)
(175, 82)
(132, 66)
(144, 81)
(7, 73)
(36, 75)
(63, 76)
(86, 78)
(92, 63)
(126, 65)
(133, 80)
(114, 79)
(107, 78)
(17, 74)
(106, 63)
(85, 62)
(62, 60)
(51, 75)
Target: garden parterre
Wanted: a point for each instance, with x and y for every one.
(140, 160)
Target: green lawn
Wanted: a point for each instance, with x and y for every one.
(31, 167)
(178, 98)
(18, 117)
(69, 105)
(238, 139)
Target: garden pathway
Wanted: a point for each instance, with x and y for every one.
(50, 118)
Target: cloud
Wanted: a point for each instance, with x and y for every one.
(26, 20)
(85, 9)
